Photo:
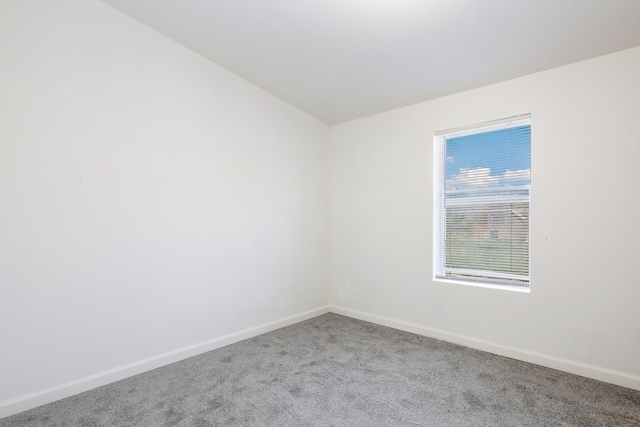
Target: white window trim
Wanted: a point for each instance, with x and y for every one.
(439, 200)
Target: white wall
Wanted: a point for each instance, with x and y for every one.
(151, 200)
(582, 314)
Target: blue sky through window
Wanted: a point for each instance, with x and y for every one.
(489, 159)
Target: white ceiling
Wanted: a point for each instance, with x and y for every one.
(343, 59)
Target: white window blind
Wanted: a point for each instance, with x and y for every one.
(482, 194)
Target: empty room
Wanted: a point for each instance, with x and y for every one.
(319, 213)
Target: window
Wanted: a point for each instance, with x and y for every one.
(482, 183)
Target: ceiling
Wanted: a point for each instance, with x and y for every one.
(339, 60)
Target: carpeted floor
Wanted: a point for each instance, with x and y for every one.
(336, 371)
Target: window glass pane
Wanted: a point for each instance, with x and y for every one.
(489, 159)
(488, 237)
(482, 179)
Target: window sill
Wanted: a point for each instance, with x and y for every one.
(486, 285)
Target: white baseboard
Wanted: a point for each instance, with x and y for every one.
(590, 371)
(51, 394)
(42, 397)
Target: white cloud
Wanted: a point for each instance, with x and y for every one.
(450, 159)
(519, 175)
(472, 177)
(481, 177)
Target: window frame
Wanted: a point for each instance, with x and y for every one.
(509, 282)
